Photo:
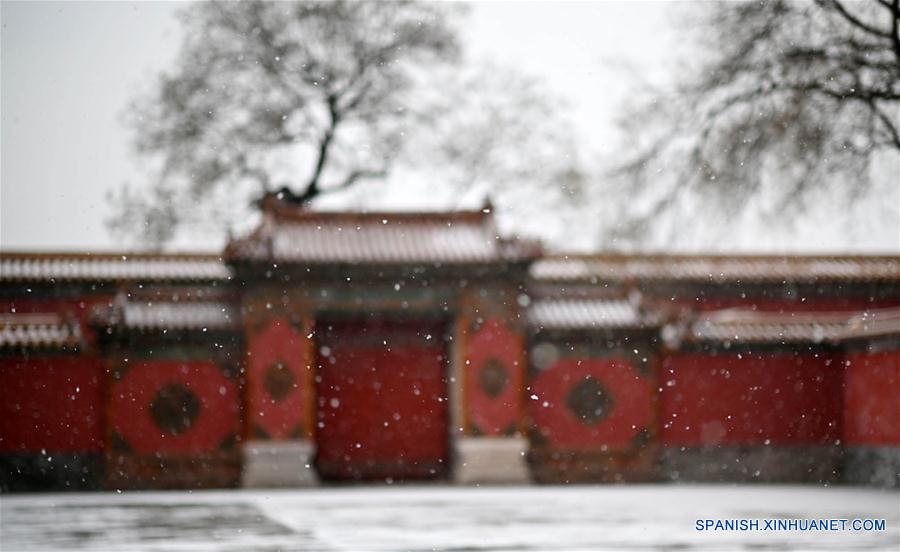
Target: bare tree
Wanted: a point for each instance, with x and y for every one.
(498, 131)
(305, 96)
(310, 98)
(790, 98)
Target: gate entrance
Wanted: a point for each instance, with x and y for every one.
(382, 409)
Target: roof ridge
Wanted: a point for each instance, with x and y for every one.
(282, 213)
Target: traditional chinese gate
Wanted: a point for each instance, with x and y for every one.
(382, 409)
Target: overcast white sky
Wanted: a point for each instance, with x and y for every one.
(69, 70)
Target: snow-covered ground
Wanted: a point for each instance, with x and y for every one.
(624, 518)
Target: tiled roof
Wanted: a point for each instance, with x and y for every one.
(873, 323)
(38, 330)
(748, 326)
(697, 268)
(290, 234)
(85, 267)
(170, 315)
(584, 313)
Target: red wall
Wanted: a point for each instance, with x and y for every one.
(51, 403)
(215, 422)
(494, 347)
(872, 399)
(630, 412)
(285, 415)
(736, 399)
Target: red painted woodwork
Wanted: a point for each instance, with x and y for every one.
(382, 402)
(732, 399)
(630, 408)
(214, 423)
(53, 404)
(872, 399)
(286, 414)
(496, 347)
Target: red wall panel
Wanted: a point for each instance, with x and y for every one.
(872, 399)
(622, 413)
(51, 403)
(382, 401)
(174, 406)
(779, 398)
(494, 379)
(280, 393)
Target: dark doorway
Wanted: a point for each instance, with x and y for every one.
(382, 409)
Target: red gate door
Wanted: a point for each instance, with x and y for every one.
(382, 408)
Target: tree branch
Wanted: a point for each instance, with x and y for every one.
(312, 188)
(852, 19)
(893, 132)
(895, 28)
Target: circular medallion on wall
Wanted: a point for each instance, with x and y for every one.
(590, 401)
(175, 408)
(165, 406)
(279, 381)
(493, 377)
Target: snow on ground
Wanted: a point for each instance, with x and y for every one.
(623, 518)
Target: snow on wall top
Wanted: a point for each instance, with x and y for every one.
(585, 313)
(749, 326)
(110, 267)
(717, 269)
(171, 315)
(29, 330)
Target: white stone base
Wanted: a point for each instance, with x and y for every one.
(491, 460)
(279, 464)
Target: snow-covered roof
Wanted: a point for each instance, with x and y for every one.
(291, 234)
(717, 269)
(585, 313)
(106, 267)
(38, 330)
(170, 316)
(749, 326)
